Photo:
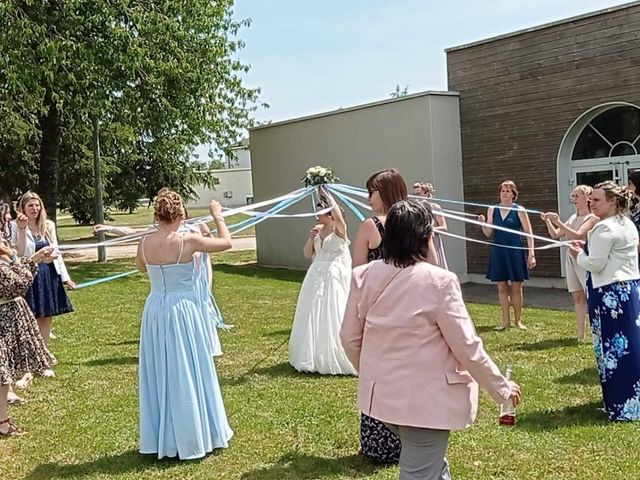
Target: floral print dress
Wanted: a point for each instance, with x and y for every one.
(22, 349)
(614, 312)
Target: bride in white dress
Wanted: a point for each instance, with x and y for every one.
(315, 345)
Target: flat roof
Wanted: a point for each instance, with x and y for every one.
(545, 25)
(357, 107)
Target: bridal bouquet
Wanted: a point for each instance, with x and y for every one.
(318, 176)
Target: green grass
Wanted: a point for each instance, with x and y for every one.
(69, 231)
(291, 426)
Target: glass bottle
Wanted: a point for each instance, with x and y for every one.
(507, 408)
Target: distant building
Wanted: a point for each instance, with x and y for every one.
(549, 107)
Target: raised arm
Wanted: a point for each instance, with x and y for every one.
(487, 230)
(309, 247)
(580, 233)
(553, 231)
(441, 221)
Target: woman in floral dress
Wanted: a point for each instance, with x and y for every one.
(613, 293)
(22, 349)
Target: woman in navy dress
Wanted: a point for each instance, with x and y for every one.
(613, 295)
(47, 298)
(507, 263)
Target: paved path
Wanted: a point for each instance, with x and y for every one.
(553, 298)
(124, 251)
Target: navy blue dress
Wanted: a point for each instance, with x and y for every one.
(507, 264)
(47, 296)
(614, 313)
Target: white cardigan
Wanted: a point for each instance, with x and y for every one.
(613, 251)
(30, 246)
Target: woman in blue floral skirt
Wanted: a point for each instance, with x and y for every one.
(613, 291)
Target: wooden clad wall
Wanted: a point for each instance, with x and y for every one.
(518, 97)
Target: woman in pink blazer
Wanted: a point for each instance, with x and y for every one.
(408, 333)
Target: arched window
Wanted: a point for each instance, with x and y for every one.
(613, 133)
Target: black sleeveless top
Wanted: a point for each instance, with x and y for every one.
(376, 253)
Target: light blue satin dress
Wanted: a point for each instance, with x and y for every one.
(181, 409)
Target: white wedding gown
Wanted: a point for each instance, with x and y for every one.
(315, 345)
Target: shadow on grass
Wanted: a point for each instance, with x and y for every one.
(279, 370)
(296, 466)
(546, 344)
(124, 342)
(485, 328)
(277, 333)
(112, 361)
(586, 376)
(587, 414)
(116, 464)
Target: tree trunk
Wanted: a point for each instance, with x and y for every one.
(49, 152)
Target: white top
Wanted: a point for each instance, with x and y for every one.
(613, 251)
(30, 246)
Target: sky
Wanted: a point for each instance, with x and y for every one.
(313, 56)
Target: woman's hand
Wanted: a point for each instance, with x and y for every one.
(516, 393)
(71, 285)
(532, 261)
(215, 209)
(313, 233)
(552, 217)
(6, 250)
(481, 218)
(22, 221)
(576, 248)
(45, 254)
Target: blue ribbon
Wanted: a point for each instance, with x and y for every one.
(236, 227)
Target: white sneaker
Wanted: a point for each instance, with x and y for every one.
(48, 373)
(13, 399)
(25, 381)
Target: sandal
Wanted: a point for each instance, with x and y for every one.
(12, 430)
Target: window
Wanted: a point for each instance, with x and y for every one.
(613, 133)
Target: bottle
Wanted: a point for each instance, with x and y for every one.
(507, 408)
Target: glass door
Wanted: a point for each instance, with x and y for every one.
(593, 175)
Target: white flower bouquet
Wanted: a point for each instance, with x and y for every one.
(319, 176)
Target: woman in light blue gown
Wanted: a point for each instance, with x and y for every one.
(181, 408)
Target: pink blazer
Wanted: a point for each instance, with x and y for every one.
(408, 333)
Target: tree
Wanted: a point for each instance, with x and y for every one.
(398, 92)
(161, 77)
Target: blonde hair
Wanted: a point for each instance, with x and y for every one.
(587, 190)
(511, 185)
(621, 195)
(168, 206)
(41, 219)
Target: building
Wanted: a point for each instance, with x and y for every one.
(418, 134)
(549, 107)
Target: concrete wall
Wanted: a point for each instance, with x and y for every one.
(418, 134)
(241, 158)
(235, 180)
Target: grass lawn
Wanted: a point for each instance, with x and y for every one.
(69, 231)
(291, 426)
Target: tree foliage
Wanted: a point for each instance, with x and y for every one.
(161, 76)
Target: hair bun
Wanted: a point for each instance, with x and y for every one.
(168, 206)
